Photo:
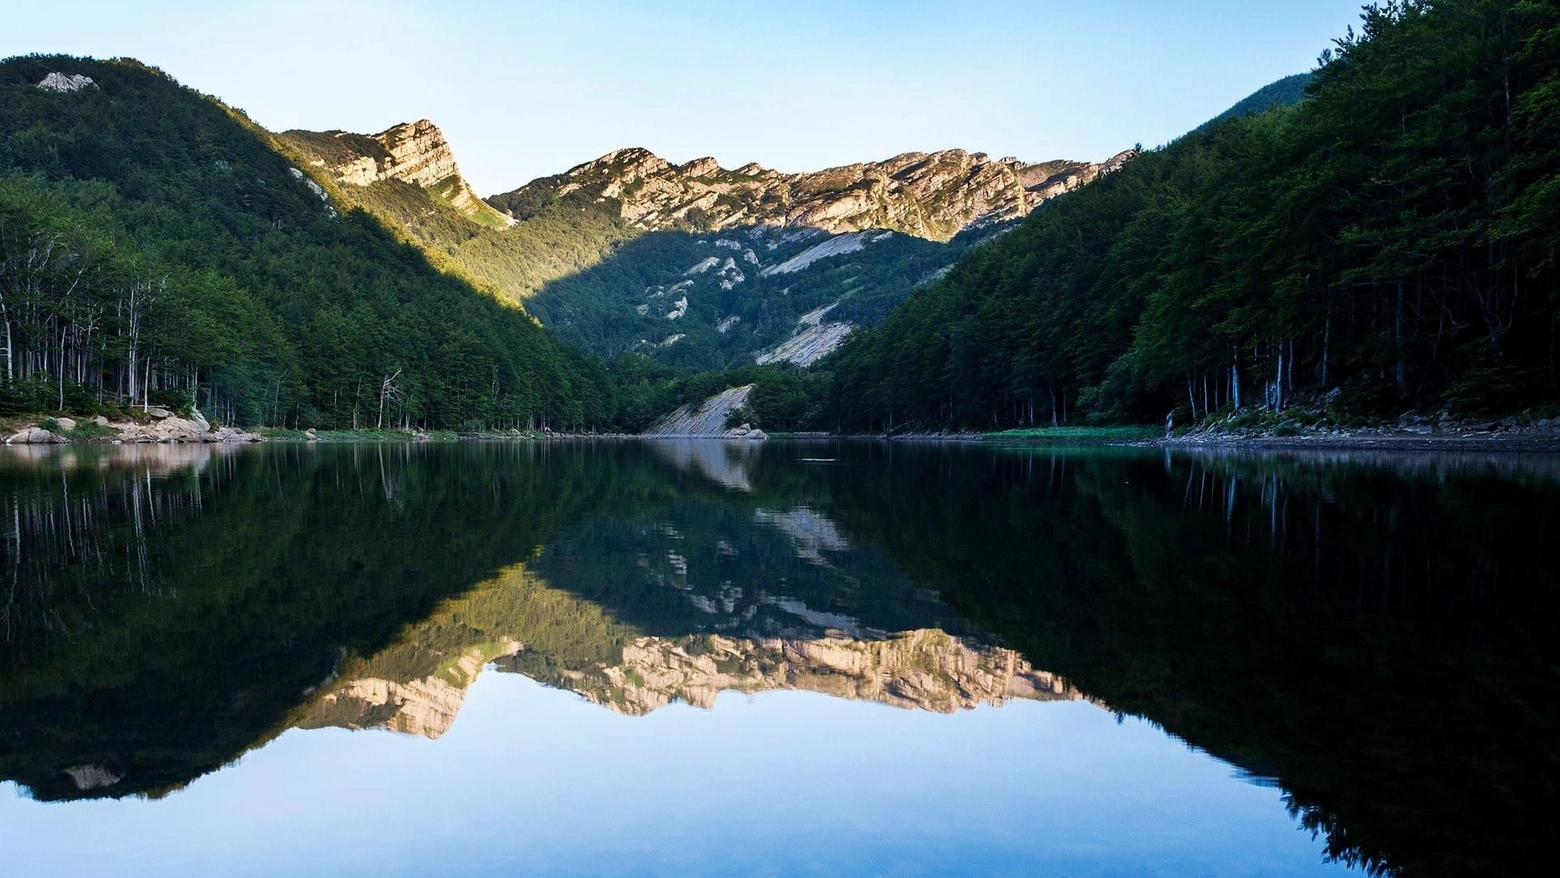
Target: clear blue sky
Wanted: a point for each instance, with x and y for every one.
(525, 89)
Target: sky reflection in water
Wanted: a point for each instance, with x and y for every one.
(715, 659)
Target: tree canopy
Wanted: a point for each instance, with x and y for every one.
(1388, 243)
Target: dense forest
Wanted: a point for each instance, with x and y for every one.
(1387, 244)
(157, 247)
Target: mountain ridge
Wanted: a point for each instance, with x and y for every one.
(618, 254)
(931, 195)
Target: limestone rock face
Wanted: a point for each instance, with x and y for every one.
(929, 195)
(809, 345)
(412, 152)
(418, 153)
(707, 419)
(64, 83)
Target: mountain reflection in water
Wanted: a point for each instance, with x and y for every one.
(1370, 634)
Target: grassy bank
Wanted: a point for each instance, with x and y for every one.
(1076, 434)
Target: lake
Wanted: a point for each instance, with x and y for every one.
(788, 658)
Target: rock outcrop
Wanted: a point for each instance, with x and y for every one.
(164, 427)
(65, 83)
(708, 419)
(809, 345)
(929, 195)
(412, 152)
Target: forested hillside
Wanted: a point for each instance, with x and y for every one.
(615, 254)
(1387, 244)
(698, 302)
(1284, 93)
(155, 244)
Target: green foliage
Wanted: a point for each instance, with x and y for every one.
(1284, 93)
(140, 198)
(1392, 236)
(599, 308)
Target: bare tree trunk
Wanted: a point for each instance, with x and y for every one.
(1235, 377)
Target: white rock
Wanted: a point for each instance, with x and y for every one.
(66, 83)
(703, 266)
(34, 436)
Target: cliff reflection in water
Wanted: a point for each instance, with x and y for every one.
(520, 624)
(1372, 635)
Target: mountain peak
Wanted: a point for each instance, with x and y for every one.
(701, 167)
(410, 152)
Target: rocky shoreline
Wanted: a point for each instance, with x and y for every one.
(1410, 433)
(163, 427)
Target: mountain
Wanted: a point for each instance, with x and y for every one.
(925, 195)
(160, 248)
(693, 265)
(787, 266)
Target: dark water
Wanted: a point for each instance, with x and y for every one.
(789, 659)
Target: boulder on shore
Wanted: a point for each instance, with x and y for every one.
(173, 429)
(66, 424)
(35, 436)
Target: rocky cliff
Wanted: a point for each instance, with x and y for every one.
(708, 419)
(412, 152)
(928, 195)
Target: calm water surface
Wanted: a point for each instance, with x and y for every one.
(788, 659)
